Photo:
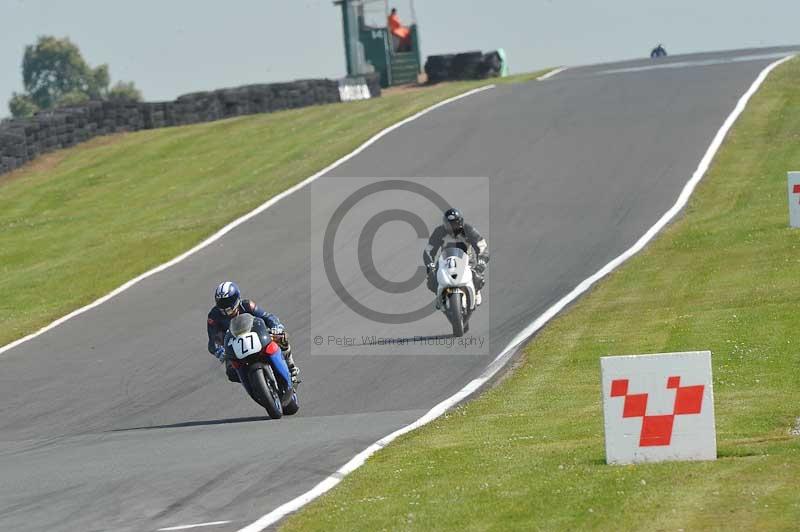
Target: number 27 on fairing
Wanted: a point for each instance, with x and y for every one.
(246, 345)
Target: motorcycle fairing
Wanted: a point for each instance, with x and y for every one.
(454, 272)
(278, 364)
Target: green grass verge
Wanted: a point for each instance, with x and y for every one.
(80, 222)
(521, 78)
(529, 453)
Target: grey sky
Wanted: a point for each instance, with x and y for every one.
(170, 47)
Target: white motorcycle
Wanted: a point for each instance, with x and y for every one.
(456, 291)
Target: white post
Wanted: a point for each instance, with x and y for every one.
(794, 199)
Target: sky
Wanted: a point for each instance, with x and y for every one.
(171, 47)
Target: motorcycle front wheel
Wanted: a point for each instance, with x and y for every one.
(455, 313)
(265, 393)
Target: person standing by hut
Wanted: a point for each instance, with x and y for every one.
(401, 34)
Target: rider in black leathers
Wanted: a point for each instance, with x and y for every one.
(454, 230)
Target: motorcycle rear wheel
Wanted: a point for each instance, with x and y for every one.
(292, 406)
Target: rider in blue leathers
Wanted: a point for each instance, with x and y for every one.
(229, 304)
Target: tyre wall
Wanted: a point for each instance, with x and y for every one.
(24, 139)
(467, 65)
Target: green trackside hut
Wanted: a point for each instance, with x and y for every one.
(373, 48)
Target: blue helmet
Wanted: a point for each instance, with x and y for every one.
(227, 297)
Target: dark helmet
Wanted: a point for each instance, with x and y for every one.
(453, 221)
(228, 297)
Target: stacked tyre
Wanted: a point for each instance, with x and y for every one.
(491, 66)
(439, 67)
(467, 65)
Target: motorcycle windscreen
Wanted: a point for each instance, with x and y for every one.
(454, 268)
(243, 323)
(454, 250)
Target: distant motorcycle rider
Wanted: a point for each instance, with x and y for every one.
(454, 230)
(229, 304)
(658, 51)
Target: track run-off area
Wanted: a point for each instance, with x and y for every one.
(117, 419)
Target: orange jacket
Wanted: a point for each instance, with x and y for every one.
(396, 27)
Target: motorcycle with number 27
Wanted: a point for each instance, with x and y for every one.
(259, 362)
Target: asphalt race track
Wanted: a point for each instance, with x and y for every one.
(120, 420)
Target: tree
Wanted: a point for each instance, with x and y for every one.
(98, 82)
(54, 73)
(72, 98)
(21, 105)
(54, 67)
(124, 92)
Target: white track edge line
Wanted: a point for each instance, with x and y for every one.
(552, 73)
(505, 355)
(198, 525)
(258, 210)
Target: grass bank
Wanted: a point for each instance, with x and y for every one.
(529, 453)
(77, 223)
